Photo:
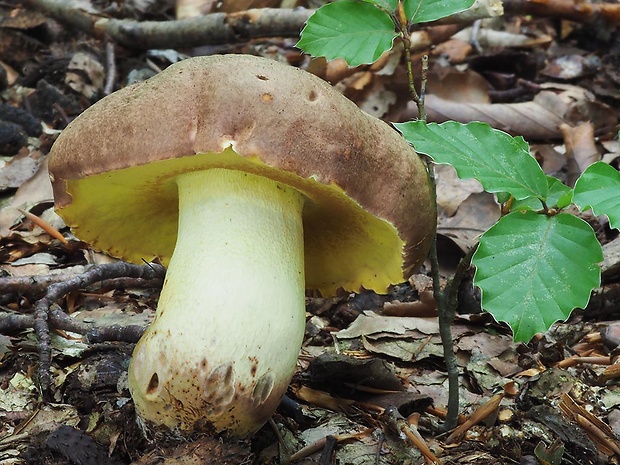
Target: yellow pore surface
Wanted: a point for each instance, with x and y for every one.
(133, 214)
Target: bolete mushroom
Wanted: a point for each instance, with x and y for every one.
(252, 181)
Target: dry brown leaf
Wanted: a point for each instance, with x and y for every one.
(597, 430)
(44, 225)
(19, 169)
(613, 150)
(368, 92)
(484, 344)
(581, 150)
(370, 323)
(570, 66)
(11, 74)
(465, 87)
(451, 190)
(552, 158)
(85, 75)
(577, 105)
(454, 49)
(16, 46)
(484, 411)
(538, 119)
(425, 307)
(321, 398)
(474, 216)
(35, 190)
(529, 119)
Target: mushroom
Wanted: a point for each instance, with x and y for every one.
(252, 181)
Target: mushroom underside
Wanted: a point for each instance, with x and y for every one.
(346, 247)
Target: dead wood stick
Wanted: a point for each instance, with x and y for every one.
(29, 284)
(15, 322)
(480, 414)
(59, 290)
(110, 77)
(399, 425)
(11, 323)
(573, 10)
(37, 285)
(212, 29)
(227, 28)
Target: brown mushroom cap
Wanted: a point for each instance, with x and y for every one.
(368, 216)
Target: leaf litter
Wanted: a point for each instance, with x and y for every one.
(564, 400)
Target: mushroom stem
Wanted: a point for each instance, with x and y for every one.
(223, 346)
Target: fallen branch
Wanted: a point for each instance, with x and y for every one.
(11, 323)
(211, 29)
(46, 311)
(35, 286)
(572, 10)
(228, 28)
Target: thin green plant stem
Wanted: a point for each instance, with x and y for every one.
(455, 282)
(446, 307)
(412, 90)
(423, 82)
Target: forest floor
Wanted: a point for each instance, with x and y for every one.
(555, 400)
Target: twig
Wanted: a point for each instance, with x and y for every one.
(15, 322)
(323, 442)
(379, 447)
(397, 424)
(480, 414)
(212, 29)
(44, 225)
(444, 308)
(30, 285)
(127, 333)
(37, 285)
(227, 28)
(110, 77)
(573, 10)
(328, 451)
(447, 310)
(58, 290)
(61, 112)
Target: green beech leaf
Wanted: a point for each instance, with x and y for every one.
(533, 270)
(423, 11)
(388, 6)
(556, 197)
(357, 32)
(500, 162)
(598, 188)
(566, 199)
(503, 197)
